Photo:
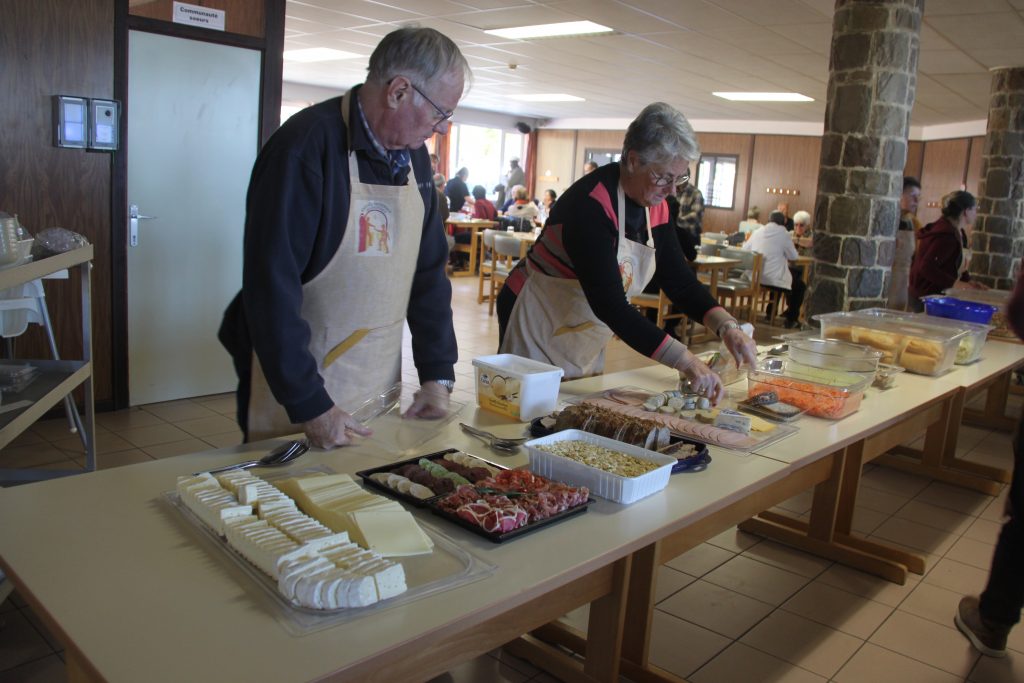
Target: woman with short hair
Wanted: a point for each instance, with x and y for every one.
(607, 237)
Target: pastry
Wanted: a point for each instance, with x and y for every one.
(922, 356)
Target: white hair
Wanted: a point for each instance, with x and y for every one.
(802, 217)
(661, 134)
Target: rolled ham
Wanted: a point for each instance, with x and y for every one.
(695, 430)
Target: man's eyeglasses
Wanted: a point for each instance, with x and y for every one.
(444, 115)
(663, 180)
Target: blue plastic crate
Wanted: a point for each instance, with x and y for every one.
(958, 309)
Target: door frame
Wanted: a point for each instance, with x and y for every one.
(271, 49)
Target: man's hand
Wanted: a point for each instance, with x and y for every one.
(429, 403)
(333, 428)
(703, 379)
(742, 347)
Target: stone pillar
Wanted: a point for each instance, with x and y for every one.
(871, 85)
(998, 241)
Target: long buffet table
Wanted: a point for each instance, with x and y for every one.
(134, 593)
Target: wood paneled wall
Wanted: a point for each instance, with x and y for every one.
(943, 170)
(787, 161)
(52, 47)
(240, 16)
(725, 220)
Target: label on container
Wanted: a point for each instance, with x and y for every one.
(498, 393)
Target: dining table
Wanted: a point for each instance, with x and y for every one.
(475, 226)
(717, 268)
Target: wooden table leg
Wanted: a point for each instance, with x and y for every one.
(994, 415)
(474, 239)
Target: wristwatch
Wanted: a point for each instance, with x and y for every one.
(726, 326)
(448, 384)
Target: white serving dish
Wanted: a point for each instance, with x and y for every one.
(613, 487)
(517, 387)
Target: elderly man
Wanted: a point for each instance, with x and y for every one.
(317, 327)
(906, 243)
(457, 191)
(606, 238)
(516, 176)
(776, 247)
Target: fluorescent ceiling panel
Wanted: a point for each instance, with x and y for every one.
(763, 96)
(565, 28)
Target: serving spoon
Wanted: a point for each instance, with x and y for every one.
(282, 455)
(497, 443)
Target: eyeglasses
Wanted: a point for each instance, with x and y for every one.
(444, 115)
(663, 180)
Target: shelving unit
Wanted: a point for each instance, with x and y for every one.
(56, 378)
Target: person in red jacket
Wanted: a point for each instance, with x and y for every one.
(943, 250)
(988, 619)
(482, 207)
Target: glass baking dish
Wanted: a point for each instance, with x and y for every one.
(832, 354)
(915, 345)
(832, 394)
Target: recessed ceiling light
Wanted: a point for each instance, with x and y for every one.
(318, 54)
(548, 97)
(764, 96)
(566, 28)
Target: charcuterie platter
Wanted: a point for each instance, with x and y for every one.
(490, 500)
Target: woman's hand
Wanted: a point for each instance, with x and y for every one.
(703, 379)
(742, 347)
(333, 428)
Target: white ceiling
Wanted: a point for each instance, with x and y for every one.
(672, 50)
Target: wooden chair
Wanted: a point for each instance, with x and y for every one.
(663, 305)
(504, 256)
(486, 245)
(742, 293)
(770, 302)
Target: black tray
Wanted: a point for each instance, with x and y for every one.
(430, 503)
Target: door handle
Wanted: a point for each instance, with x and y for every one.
(133, 224)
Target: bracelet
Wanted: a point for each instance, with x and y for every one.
(726, 326)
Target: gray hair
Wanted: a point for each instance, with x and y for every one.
(802, 217)
(422, 54)
(661, 134)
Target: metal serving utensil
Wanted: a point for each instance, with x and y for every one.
(497, 443)
(282, 455)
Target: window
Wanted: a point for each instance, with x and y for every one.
(602, 156)
(716, 179)
(485, 152)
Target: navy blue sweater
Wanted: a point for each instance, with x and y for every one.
(296, 211)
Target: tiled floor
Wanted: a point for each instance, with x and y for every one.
(735, 609)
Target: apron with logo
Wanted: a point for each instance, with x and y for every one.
(356, 306)
(552, 321)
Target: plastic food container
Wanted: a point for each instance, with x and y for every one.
(613, 487)
(971, 343)
(728, 371)
(958, 309)
(832, 394)
(917, 346)
(885, 377)
(832, 354)
(516, 387)
(992, 297)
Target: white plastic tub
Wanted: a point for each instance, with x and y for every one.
(516, 387)
(613, 487)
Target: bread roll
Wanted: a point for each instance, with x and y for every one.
(842, 333)
(921, 356)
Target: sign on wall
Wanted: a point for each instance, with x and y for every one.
(195, 15)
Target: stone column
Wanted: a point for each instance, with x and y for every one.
(998, 241)
(872, 80)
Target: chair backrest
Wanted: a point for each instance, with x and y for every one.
(507, 245)
(489, 237)
(716, 237)
(749, 262)
(710, 249)
(517, 223)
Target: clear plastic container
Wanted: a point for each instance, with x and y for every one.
(613, 487)
(917, 346)
(724, 365)
(832, 354)
(832, 394)
(994, 297)
(971, 344)
(516, 387)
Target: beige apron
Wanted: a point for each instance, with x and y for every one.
(899, 284)
(356, 306)
(552, 321)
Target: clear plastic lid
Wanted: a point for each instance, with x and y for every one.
(812, 379)
(880, 319)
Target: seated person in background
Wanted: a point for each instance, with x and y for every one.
(776, 248)
(510, 199)
(499, 199)
(521, 206)
(752, 223)
(482, 207)
(802, 234)
(457, 191)
(442, 203)
(783, 207)
(589, 167)
(546, 203)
